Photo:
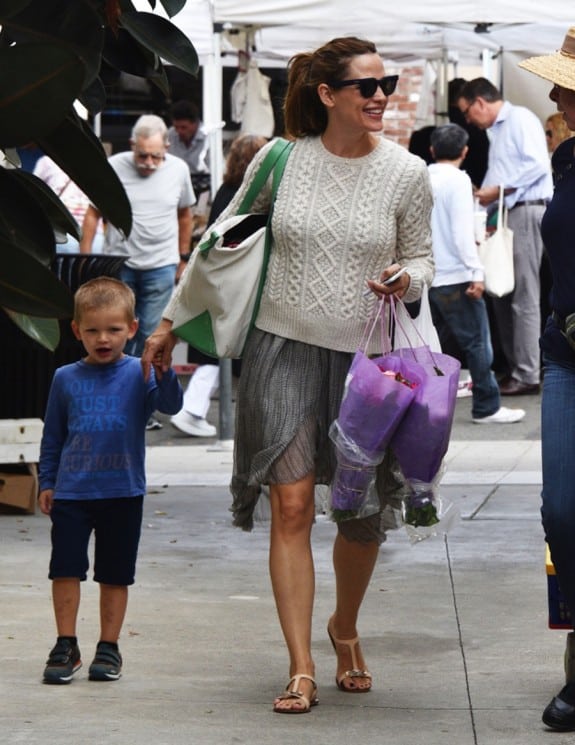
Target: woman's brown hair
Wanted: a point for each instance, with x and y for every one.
(304, 113)
(242, 150)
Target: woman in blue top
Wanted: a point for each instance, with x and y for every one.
(558, 346)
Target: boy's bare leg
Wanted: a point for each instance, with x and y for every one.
(64, 660)
(113, 604)
(66, 601)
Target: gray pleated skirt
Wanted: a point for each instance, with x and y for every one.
(289, 394)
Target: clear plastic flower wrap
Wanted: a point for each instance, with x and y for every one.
(378, 392)
(353, 478)
(425, 513)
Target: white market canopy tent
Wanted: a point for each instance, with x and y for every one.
(439, 32)
(415, 29)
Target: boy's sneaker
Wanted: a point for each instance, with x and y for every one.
(64, 661)
(107, 664)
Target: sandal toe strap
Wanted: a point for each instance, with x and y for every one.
(296, 695)
(292, 691)
(356, 674)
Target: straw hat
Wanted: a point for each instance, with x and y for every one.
(559, 68)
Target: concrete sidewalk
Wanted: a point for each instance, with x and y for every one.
(455, 631)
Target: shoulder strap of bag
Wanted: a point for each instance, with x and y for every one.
(275, 160)
(281, 150)
(501, 210)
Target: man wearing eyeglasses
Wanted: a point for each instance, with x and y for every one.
(160, 193)
(519, 161)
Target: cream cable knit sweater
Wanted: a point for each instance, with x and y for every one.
(336, 222)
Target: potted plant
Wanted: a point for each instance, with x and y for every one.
(53, 53)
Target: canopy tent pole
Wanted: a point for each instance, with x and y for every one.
(212, 108)
(212, 98)
(441, 90)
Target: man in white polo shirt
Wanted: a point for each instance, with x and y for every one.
(160, 193)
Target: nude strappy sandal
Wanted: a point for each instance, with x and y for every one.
(292, 691)
(355, 672)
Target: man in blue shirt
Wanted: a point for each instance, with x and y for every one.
(518, 160)
(189, 141)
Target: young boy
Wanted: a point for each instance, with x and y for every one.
(456, 293)
(92, 475)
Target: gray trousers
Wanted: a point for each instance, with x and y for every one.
(518, 315)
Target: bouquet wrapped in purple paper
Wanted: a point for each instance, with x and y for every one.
(377, 394)
(421, 441)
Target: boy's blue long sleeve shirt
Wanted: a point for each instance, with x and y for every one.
(93, 444)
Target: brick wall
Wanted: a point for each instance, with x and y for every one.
(399, 117)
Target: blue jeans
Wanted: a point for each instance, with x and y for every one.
(468, 321)
(558, 494)
(153, 289)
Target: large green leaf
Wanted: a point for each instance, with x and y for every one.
(94, 97)
(46, 331)
(59, 217)
(123, 52)
(38, 84)
(77, 151)
(165, 39)
(30, 288)
(172, 7)
(75, 25)
(23, 222)
(160, 79)
(9, 8)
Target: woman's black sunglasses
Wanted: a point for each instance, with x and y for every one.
(368, 86)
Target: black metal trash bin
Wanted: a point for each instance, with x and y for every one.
(27, 368)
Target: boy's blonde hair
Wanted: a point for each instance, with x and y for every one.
(104, 292)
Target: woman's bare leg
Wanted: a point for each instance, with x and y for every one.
(353, 564)
(292, 574)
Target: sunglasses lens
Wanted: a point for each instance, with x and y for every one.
(389, 84)
(367, 87)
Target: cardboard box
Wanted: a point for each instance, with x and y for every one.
(19, 486)
(559, 614)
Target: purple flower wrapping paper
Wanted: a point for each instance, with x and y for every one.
(372, 407)
(421, 440)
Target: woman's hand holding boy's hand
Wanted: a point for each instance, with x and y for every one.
(158, 350)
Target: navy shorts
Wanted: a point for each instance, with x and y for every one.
(116, 524)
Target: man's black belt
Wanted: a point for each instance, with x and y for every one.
(531, 203)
